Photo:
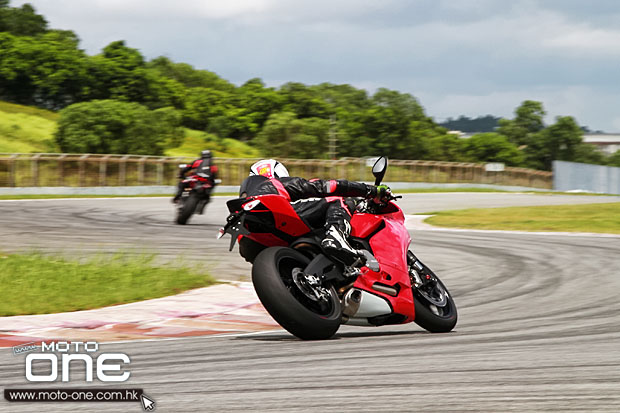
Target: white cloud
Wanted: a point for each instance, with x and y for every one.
(571, 101)
(189, 9)
(586, 40)
(468, 57)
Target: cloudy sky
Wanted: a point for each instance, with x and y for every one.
(458, 57)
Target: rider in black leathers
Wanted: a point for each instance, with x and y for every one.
(202, 166)
(319, 202)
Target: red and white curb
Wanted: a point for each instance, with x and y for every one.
(220, 309)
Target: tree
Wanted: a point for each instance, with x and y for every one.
(349, 106)
(202, 105)
(556, 142)
(465, 124)
(447, 147)
(188, 76)
(587, 153)
(47, 71)
(286, 136)
(303, 101)
(118, 73)
(396, 123)
(21, 21)
(528, 121)
(614, 159)
(492, 147)
(258, 102)
(109, 126)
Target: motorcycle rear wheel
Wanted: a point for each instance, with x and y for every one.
(273, 278)
(187, 208)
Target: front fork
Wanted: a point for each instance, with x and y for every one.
(421, 276)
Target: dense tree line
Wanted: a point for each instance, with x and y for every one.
(466, 124)
(117, 101)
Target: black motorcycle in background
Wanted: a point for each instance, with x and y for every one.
(196, 195)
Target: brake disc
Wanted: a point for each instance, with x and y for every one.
(309, 285)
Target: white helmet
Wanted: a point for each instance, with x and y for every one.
(269, 168)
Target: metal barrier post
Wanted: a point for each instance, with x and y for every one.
(12, 169)
(103, 169)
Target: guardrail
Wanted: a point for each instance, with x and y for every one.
(80, 170)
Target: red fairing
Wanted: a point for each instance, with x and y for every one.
(267, 239)
(389, 245)
(196, 163)
(403, 302)
(281, 190)
(214, 169)
(362, 225)
(285, 216)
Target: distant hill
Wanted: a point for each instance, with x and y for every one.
(486, 123)
(26, 129)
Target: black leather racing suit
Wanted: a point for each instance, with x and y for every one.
(202, 167)
(320, 202)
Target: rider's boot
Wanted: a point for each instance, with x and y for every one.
(179, 193)
(336, 246)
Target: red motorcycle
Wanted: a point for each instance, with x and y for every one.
(195, 197)
(311, 295)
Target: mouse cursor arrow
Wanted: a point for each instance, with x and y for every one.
(148, 405)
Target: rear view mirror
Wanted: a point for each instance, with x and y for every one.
(183, 165)
(379, 168)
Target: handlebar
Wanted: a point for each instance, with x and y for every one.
(370, 205)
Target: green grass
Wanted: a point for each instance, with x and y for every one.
(475, 189)
(28, 110)
(26, 133)
(196, 141)
(33, 283)
(599, 218)
(569, 193)
(26, 129)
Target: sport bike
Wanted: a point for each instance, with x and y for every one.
(195, 197)
(311, 295)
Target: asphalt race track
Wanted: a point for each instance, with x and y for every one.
(539, 320)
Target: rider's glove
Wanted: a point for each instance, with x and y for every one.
(383, 194)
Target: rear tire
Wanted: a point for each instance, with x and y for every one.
(286, 303)
(187, 208)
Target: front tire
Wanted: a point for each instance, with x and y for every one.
(187, 208)
(273, 278)
(432, 317)
(435, 310)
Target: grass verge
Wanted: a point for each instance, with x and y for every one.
(599, 218)
(33, 283)
(196, 141)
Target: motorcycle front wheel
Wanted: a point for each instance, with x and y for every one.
(435, 310)
(187, 208)
(305, 309)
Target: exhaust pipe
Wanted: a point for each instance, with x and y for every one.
(386, 289)
(351, 302)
